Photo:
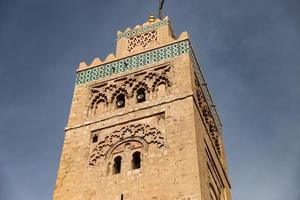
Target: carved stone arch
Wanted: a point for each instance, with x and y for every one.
(110, 88)
(139, 86)
(160, 86)
(160, 80)
(97, 99)
(140, 140)
(130, 81)
(120, 90)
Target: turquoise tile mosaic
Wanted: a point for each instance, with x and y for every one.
(142, 30)
(135, 61)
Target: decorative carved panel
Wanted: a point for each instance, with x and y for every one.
(128, 137)
(208, 118)
(143, 40)
(103, 96)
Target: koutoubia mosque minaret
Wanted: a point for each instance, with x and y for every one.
(143, 125)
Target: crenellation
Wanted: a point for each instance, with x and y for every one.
(96, 62)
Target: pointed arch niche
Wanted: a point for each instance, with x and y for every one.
(160, 86)
(99, 103)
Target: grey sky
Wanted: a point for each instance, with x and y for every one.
(250, 52)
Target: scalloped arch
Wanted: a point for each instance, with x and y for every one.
(139, 132)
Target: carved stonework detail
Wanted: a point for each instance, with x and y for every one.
(128, 137)
(103, 96)
(143, 40)
(219, 144)
(208, 118)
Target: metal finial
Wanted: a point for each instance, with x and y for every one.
(151, 18)
(161, 5)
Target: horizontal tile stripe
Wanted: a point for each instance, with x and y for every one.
(132, 62)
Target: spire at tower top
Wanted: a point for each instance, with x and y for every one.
(161, 5)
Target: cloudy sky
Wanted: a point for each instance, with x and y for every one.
(250, 50)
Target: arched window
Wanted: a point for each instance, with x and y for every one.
(136, 160)
(117, 165)
(120, 101)
(141, 95)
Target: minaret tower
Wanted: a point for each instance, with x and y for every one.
(143, 125)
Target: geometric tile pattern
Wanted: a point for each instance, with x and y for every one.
(136, 61)
(144, 29)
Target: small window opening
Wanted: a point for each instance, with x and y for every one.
(95, 139)
(122, 197)
(120, 101)
(136, 160)
(117, 165)
(141, 95)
